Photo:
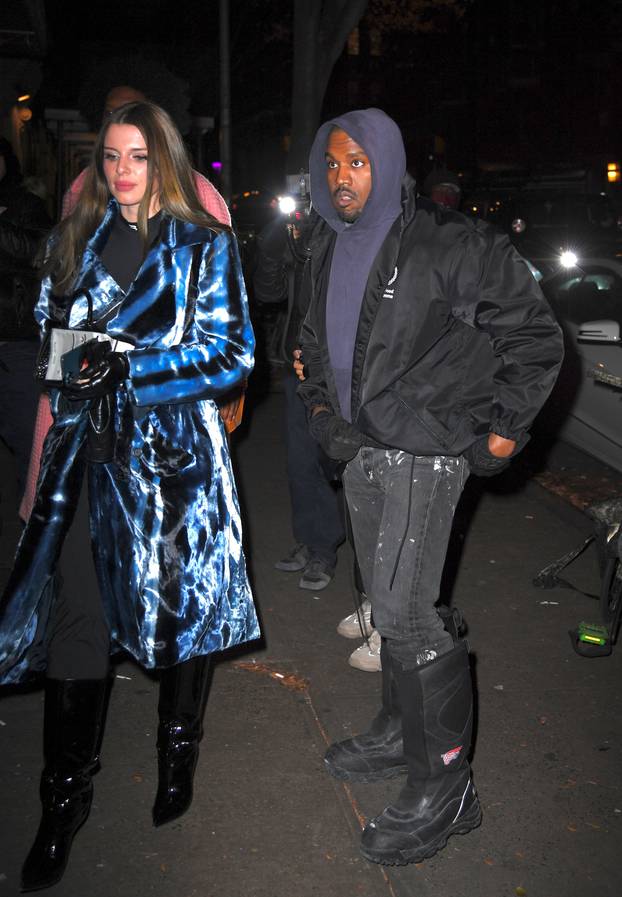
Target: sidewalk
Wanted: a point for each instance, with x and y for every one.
(267, 821)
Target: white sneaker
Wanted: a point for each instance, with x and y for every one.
(350, 627)
(367, 656)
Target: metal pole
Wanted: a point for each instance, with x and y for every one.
(225, 102)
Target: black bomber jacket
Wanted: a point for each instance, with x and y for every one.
(455, 339)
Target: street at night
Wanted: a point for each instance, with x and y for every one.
(311, 448)
(268, 821)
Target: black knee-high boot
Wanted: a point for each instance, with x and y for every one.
(183, 695)
(73, 726)
(439, 799)
(378, 753)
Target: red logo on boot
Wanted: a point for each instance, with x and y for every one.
(451, 755)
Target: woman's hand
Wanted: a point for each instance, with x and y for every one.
(229, 408)
(299, 366)
(99, 377)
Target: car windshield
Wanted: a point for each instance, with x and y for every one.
(590, 294)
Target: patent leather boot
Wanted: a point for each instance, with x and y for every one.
(183, 695)
(379, 753)
(439, 798)
(72, 731)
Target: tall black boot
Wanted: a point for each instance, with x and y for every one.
(73, 726)
(379, 753)
(183, 695)
(439, 799)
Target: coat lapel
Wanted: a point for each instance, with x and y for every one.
(154, 310)
(93, 279)
(153, 303)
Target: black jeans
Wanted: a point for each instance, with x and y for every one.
(317, 514)
(401, 511)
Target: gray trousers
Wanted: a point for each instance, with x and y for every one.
(401, 510)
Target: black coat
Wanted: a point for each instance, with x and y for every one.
(280, 263)
(24, 224)
(455, 339)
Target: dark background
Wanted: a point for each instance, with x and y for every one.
(510, 83)
(478, 85)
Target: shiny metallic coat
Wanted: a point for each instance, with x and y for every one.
(165, 518)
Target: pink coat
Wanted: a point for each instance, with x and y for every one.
(212, 202)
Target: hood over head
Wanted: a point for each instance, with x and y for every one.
(357, 243)
(382, 141)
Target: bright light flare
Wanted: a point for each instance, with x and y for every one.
(287, 205)
(568, 259)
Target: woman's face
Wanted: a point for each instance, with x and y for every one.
(125, 168)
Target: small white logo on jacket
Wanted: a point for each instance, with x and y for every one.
(389, 292)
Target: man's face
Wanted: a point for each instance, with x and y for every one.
(348, 175)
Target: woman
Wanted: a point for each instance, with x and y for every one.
(138, 434)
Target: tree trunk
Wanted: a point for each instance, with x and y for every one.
(321, 28)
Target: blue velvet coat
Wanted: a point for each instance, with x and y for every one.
(165, 518)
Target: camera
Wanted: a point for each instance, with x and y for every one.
(296, 202)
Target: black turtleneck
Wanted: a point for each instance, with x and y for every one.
(123, 254)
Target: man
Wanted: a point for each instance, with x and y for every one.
(428, 350)
(315, 504)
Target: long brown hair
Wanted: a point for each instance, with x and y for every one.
(167, 161)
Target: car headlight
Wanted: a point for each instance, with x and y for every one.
(519, 225)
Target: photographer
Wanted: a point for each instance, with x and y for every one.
(282, 251)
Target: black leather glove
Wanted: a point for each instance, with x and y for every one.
(483, 463)
(100, 377)
(339, 439)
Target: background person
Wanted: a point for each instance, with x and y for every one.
(138, 457)
(24, 224)
(444, 188)
(317, 518)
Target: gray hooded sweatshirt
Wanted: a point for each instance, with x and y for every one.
(357, 244)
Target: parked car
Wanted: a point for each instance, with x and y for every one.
(587, 300)
(543, 225)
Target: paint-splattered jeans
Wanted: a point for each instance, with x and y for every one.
(401, 509)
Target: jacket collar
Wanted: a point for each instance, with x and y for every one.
(409, 199)
(174, 234)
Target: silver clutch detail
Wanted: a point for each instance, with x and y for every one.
(62, 341)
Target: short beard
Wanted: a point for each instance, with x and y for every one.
(349, 217)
